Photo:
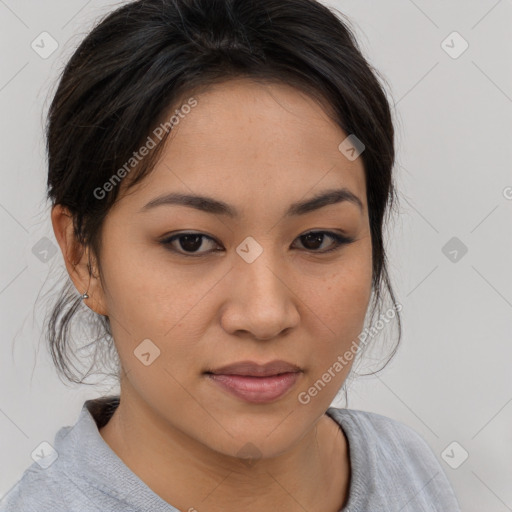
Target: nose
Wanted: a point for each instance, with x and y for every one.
(261, 304)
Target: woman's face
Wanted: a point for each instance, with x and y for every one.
(253, 287)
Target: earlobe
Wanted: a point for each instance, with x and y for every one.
(92, 294)
(77, 259)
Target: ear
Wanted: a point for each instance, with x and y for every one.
(80, 263)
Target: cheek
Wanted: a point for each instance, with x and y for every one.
(144, 291)
(340, 297)
(349, 294)
(337, 308)
(150, 298)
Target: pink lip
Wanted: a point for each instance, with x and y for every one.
(255, 369)
(256, 389)
(256, 383)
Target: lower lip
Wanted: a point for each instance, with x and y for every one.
(257, 390)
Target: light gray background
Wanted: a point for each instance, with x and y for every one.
(450, 380)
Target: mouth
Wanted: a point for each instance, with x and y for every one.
(252, 369)
(256, 383)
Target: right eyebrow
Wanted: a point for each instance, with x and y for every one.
(215, 206)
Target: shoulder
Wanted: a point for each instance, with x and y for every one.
(381, 431)
(393, 459)
(62, 487)
(62, 479)
(37, 489)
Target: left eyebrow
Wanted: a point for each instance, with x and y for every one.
(214, 206)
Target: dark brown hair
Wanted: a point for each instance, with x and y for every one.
(144, 58)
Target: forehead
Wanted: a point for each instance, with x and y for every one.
(252, 143)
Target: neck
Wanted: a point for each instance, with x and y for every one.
(313, 475)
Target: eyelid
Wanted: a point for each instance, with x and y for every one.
(340, 240)
(167, 240)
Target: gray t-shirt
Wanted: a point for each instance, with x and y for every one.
(392, 469)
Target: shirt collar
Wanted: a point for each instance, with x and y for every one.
(88, 458)
(91, 459)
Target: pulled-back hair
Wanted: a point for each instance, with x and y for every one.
(148, 57)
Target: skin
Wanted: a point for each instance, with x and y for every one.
(258, 148)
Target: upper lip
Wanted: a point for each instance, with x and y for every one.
(251, 368)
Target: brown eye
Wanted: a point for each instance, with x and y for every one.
(188, 243)
(313, 240)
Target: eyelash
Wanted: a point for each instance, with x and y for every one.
(339, 242)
